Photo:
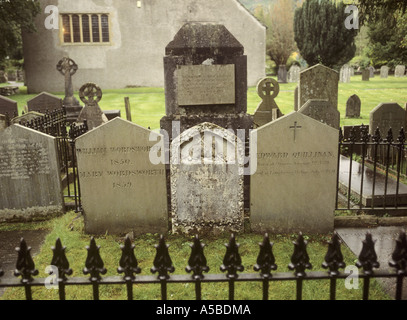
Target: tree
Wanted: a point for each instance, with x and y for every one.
(321, 34)
(371, 10)
(15, 15)
(279, 19)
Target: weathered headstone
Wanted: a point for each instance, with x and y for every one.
(206, 169)
(386, 116)
(44, 102)
(123, 184)
(8, 106)
(353, 106)
(111, 114)
(26, 117)
(384, 72)
(345, 73)
(282, 74)
(30, 180)
(91, 94)
(267, 89)
(322, 111)
(294, 73)
(365, 75)
(3, 77)
(400, 71)
(294, 186)
(319, 82)
(205, 79)
(371, 71)
(67, 67)
(3, 122)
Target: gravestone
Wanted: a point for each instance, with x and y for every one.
(322, 111)
(123, 185)
(384, 72)
(282, 74)
(371, 71)
(205, 73)
(206, 169)
(3, 77)
(353, 106)
(365, 75)
(67, 67)
(91, 94)
(26, 117)
(386, 116)
(294, 73)
(267, 111)
(345, 74)
(3, 122)
(318, 82)
(29, 175)
(44, 102)
(111, 114)
(8, 106)
(400, 71)
(293, 188)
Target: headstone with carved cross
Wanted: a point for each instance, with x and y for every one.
(267, 111)
(91, 94)
(293, 187)
(67, 67)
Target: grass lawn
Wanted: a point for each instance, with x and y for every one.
(70, 231)
(148, 104)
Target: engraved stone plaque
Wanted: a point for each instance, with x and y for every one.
(206, 85)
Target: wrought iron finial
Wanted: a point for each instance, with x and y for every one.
(399, 256)
(352, 136)
(368, 257)
(162, 261)
(94, 264)
(334, 258)
(197, 262)
(340, 135)
(300, 259)
(376, 138)
(128, 263)
(389, 138)
(402, 136)
(25, 266)
(265, 260)
(232, 262)
(364, 134)
(60, 261)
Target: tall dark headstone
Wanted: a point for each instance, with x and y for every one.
(8, 106)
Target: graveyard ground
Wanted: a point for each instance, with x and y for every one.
(70, 229)
(148, 104)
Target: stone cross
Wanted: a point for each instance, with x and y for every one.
(91, 94)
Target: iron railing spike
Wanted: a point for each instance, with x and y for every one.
(162, 261)
(368, 257)
(128, 263)
(197, 262)
(399, 256)
(60, 261)
(94, 264)
(265, 260)
(389, 138)
(300, 260)
(334, 257)
(25, 266)
(232, 262)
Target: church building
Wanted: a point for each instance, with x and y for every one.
(121, 43)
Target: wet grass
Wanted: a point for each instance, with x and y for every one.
(70, 230)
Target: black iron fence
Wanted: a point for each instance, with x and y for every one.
(372, 170)
(197, 266)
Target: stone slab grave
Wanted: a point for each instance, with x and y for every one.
(370, 196)
(400, 71)
(365, 75)
(67, 67)
(44, 102)
(384, 72)
(30, 181)
(294, 74)
(319, 82)
(386, 116)
(322, 111)
(353, 105)
(91, 94)
(293, 186)
(207, 181)
(8, 106)
(267, 110)
(123, 182)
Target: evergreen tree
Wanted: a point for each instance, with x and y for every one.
(15, 15)
(321, 34)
